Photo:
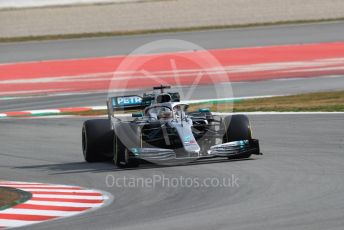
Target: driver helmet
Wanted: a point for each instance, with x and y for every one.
(165, 113)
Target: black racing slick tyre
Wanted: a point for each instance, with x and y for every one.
(237, 128)
(97, 139)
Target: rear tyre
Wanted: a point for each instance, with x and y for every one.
(237, 128)
(97, 140)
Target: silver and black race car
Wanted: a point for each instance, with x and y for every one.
(164, 132)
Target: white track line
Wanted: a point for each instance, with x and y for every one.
(64, 204)
(39, 212)
(280, 113)
(9, 4)
(74, 197)
(34, 112)
(60, 190)
(20, 182)
(215, 113)
(16, 223)
(47, 186)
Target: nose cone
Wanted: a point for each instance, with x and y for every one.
(188, 140)
(191, 146)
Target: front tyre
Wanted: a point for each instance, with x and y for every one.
(237, 128)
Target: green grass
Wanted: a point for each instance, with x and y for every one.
(310, 102)
(152, 31)
(11, 196)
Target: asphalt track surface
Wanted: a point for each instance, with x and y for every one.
(297, 183)
(214, 39)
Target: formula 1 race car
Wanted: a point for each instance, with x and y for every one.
(164, 132)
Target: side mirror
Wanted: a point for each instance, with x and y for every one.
(137, 115)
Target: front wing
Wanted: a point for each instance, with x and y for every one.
(230, 149)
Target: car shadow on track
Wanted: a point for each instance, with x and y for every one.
(82, 167)
(72, 167)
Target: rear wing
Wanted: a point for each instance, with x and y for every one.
(134, 102)
(122, 103)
